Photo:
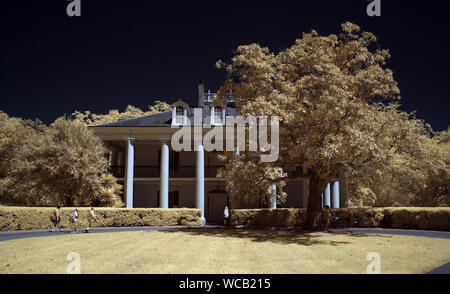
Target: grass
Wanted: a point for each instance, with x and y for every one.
(223, 251)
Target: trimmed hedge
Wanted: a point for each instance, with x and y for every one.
(421, 218)
(31, 218)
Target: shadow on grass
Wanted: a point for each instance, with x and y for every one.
(353, 234)
(275, 236)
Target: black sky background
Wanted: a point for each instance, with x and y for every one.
(135, 52)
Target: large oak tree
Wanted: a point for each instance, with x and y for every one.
(337, 105)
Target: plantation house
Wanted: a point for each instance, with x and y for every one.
(156, 176)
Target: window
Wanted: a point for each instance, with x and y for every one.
(217, 116)
(179, 115)
(180, 111)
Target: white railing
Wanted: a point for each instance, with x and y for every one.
(209, 97)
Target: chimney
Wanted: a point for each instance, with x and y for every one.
(201, 93)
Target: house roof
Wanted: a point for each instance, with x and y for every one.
(163, 119)
(160, 119)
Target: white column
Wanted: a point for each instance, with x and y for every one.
(200, 181)
(164, 176)
(274, 196)
(129, 173)
(335, 195)
(326, 196)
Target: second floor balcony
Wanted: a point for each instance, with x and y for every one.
(174, 171)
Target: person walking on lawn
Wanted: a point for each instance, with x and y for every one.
(226, 216)
(326, 218)
(56, 219)
(74, 220)
(91, 218)
(317, 225)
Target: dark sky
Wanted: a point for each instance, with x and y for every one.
(134, 52)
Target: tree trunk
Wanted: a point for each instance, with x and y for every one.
(316, 187)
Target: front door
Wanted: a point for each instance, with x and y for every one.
(216, 206)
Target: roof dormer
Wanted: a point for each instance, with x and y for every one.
(217, 115)
(179, 113)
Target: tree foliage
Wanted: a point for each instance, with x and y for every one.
(91, 119)
(337, 105)
(407, 180)
(63, 164)
(249, 182)
(14, 132)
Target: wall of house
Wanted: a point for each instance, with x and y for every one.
(146, 154)
(146, 193)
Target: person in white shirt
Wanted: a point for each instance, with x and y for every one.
(74, 219)
(226, 215)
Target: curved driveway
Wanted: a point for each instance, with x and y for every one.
(11, 235)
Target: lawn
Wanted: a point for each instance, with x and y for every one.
(223, 251)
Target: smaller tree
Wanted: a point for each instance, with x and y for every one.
(435, 190)
(14, 132)
(417, 177)
(249, 182)
(63, 164)
(108, 193)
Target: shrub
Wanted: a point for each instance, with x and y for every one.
(429, 218)
(30, 218)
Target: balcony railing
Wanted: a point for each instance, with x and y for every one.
(174, 172)
(209, 97)
(179, 172)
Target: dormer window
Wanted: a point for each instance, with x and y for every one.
(217, 115)
(179, 113)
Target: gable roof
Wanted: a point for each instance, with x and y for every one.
(160, 119)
